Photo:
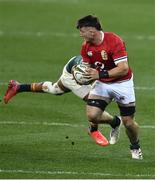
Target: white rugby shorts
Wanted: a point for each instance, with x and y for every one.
(121, 92)
(68, 81)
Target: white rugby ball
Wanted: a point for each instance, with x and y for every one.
(79, 74)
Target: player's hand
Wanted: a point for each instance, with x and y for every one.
(92, 73)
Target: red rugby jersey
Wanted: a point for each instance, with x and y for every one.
(111, 51)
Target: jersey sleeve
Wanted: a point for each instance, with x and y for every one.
(119, 52)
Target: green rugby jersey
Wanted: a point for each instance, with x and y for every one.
(73, 61)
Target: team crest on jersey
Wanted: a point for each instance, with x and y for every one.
(104, 55)
(90, 54)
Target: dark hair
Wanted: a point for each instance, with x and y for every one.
(89, 21)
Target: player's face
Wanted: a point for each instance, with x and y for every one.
(87, 33)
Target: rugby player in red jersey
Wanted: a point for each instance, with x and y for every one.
(106, 54)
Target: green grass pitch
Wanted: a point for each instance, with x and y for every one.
(45, 136)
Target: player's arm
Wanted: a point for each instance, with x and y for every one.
(120, 70)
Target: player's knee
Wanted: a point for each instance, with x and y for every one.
(129, 122)
(49, 87)
(94, 116)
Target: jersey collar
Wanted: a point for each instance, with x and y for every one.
(102, 35)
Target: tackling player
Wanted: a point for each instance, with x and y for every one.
(65, 84)
(106, 53)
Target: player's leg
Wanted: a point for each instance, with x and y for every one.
(95, 108)
(54, 88)
(113, 121)
(57, 88)
(61, 86)
(96, 117)
(99, 97)
(132, 130)
(15, 87)
(125, 98)
(107, 118)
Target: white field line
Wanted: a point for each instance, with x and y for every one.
(62, 34)
(145, 88)
(40, 123)
(57, 124)
(21, 171)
